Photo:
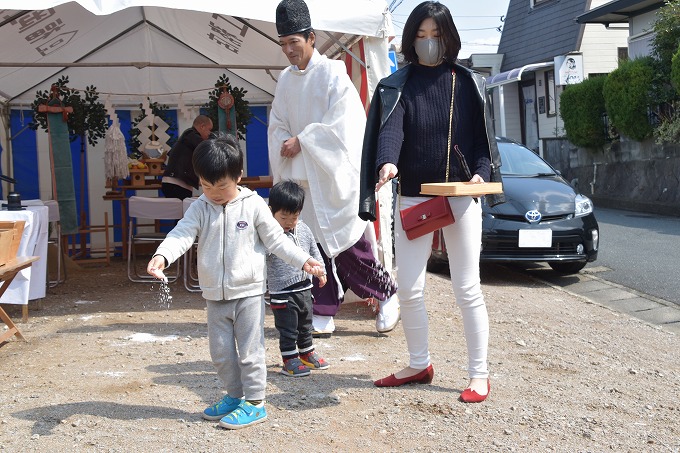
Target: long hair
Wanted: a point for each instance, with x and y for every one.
(448, 33)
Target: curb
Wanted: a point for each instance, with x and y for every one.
(657, 312)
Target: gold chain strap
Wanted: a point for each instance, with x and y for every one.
(448, 144)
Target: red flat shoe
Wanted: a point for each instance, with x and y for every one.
(424, 377)
(470, 396)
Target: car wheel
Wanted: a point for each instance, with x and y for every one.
(568, 268)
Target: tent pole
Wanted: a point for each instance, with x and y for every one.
(4, 117)
(346, 48)
(83, 216)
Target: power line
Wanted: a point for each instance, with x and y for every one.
(476, 29)
(394, 5)
(456, 16)
(478, 44)
(498, 28)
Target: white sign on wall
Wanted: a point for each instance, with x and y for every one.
(569, 69)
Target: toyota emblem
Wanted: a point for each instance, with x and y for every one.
(533, 216)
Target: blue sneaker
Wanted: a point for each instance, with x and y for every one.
(221, 408)
(244, 415)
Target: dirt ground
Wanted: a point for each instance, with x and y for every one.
(107, 367)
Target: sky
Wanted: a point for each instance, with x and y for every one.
(477, 21)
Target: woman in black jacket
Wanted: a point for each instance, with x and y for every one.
(418, 116)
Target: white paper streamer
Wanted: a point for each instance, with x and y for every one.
(115, 154)
(153, 125)
(184, 110)
(113, 116)
(146, 108)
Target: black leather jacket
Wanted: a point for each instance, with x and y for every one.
(180, 163)
(385, 99)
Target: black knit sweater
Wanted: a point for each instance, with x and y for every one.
(415, 136)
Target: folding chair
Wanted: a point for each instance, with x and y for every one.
(189, 260)
(143, 242)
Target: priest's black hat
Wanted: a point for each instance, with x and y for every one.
(292, 16)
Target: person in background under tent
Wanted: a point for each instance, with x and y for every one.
(179, 178)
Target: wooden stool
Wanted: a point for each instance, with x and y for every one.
(7, 274)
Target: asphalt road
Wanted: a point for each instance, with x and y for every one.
(639, 251)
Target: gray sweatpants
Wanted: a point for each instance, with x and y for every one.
(236, 338)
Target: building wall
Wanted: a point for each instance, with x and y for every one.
(642, 23)
(536, 34)
(640, 39)
(559, 36)
(599, 47)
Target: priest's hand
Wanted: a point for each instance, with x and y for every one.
(291, 147)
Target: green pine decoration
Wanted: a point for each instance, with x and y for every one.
(88, 120)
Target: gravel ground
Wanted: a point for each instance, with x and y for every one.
(107, 367)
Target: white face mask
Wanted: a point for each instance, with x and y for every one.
(428, 50)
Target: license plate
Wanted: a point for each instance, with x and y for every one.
(535, 238)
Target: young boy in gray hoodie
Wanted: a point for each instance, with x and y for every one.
(290, 289)
(235, 230)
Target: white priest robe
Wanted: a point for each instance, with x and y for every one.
(321, 106)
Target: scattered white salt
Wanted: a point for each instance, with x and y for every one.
(354, 358)
(88, 317)
(110, 373)
(150, 338)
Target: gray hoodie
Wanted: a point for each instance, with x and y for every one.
(232, 245)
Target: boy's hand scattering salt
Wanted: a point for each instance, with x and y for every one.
(155, 268)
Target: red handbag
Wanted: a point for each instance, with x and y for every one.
(434, 213)
(426, 217)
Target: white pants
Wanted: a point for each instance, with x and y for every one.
(463, 242)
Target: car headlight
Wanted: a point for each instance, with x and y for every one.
(583, 206)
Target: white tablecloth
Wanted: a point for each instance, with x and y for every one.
(29, 284)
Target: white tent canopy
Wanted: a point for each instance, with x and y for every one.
(131, 49)
(170, 51)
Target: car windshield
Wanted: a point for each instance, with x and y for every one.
(520, 161)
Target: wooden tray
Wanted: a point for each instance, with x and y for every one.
(454, 189)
